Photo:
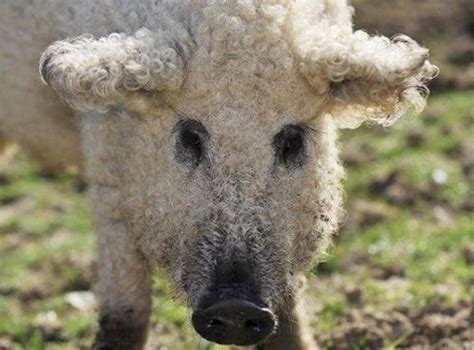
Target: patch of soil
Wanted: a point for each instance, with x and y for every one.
(466, 153)
(355, 154)
(356, 258)
(79, 185)
(388, 271)
(14, 206)
(402, 193)
(362, 214)
(10, 241)
(468, 205)
(81, 271)
(354, 295)
(468, 253)
(33, 291)
(415, 138)
(4, 180)
(435, 327)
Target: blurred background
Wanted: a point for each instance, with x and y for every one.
(401, 274)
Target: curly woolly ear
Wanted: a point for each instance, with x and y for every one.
(367, 78)
(93, 74)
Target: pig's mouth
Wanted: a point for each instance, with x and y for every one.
(234, 322)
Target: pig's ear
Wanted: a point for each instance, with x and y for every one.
(367, 78)
(95, 73)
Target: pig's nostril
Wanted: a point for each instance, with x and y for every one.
(254, 325)
(214, 323)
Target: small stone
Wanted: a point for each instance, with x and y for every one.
(82, 301)
(439, 176)
(49, 326)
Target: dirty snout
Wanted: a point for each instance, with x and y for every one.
(234, 321)
(232, 312)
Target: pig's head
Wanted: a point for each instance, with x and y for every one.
(229, 172)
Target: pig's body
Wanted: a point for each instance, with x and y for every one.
(209, 140)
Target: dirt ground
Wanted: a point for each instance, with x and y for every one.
(436, 325)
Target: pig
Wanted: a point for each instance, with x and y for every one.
(208, 132)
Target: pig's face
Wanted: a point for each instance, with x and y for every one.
(234, 191)
(229, 181)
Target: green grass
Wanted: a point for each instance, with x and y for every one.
(47, 247)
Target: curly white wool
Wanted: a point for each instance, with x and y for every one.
(363, 78)
(368, 78)
(91, 73)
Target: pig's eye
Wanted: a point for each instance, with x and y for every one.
(190, 143)
(290, 147)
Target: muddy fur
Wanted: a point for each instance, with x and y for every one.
(243, 70)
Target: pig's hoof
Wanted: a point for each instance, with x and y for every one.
(102, 346)
(123, 339)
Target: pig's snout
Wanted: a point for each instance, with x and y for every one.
(235, 321)
(231, 310)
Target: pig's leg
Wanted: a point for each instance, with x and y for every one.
(293, 330)
(124, 291)
(124, 280)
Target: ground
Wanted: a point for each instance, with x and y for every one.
(399, 274)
